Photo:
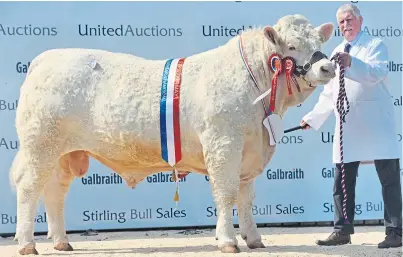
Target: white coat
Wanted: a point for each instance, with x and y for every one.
(369, 132)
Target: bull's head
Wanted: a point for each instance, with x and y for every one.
(293, 36)
(296, 37)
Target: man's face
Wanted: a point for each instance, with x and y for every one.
(349, 25)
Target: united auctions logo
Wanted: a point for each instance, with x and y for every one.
(128, 30)
(223, 31)
(27, 30)
(9, 144)
(376, 32)
(327, 137)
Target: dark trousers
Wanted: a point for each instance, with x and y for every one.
(389, 176)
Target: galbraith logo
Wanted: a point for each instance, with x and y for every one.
(27, 30)
(96, 179)
(163, 178)
(280, 174)
(8, 105)
(22, 67)
(329, 173)
(8, 144)
(128, 30)
(398, 101)
(393, 67)
(113, 178)
(222, 31)
(388, 31)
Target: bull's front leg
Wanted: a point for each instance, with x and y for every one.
(54, 195)
(223, 155)
(247, 222)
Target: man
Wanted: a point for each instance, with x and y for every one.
(369, 129)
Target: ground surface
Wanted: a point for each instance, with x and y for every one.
(195, 243)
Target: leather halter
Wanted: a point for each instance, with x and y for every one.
(302, 70)
(267, 111)
(297, 70)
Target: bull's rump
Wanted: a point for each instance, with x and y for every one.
(110, 104)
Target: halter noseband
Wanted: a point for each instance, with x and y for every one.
(302, 70)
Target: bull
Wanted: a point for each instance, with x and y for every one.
(206, 113)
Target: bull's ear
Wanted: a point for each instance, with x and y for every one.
(325, 31)
(271, 35)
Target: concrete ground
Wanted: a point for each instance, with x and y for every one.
(194, 243)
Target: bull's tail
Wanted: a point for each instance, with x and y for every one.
(13, 167)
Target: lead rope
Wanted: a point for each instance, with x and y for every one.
(341, 99)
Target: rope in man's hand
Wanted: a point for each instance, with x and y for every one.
(341, 102)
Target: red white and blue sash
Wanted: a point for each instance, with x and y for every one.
(169, 111)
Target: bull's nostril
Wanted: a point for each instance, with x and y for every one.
(324, 69)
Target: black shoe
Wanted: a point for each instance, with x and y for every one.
(392, 239)
(336, 238)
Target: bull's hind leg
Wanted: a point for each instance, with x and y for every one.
(73, 164)
(247, 222)
(222, 155)
(30, 175)
(54, 195)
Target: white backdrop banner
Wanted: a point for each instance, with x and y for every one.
(161, 30)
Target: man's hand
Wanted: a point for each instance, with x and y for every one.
(345, 59)
(304, 125)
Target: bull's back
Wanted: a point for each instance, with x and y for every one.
(86, 88)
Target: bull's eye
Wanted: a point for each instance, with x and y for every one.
(291, 48)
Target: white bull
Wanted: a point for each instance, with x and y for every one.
(77, 103)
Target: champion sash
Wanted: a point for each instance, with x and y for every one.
(169, 111)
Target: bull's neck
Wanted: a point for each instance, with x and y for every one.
(256, 51)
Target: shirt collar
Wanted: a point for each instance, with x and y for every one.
(355, 40)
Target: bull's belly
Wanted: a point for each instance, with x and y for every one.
(136, 160)
(134, 165)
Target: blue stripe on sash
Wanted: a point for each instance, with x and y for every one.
(163, 129)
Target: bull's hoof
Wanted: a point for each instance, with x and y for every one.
(28, 251)
(243, 236)
(65, 247)
(230, 249)
(255, 245)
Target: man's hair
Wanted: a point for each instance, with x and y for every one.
(349, 8)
